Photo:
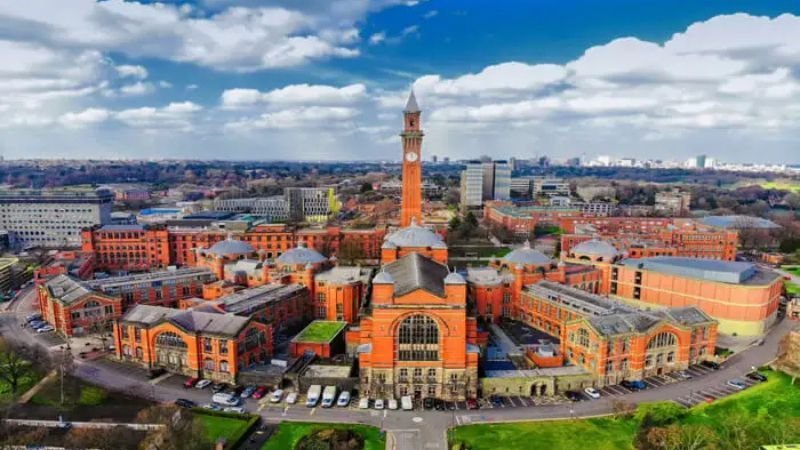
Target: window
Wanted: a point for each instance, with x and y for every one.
(418, 339)
(208, 364)
(254, 338)
(609, 366)
(663, 339)
(623, 365)
(207, 345)
(139, 352)
(124, 330)
(223, 347)
(223, 366)
(170, 339)
(109, 310)
(417, 373)
(431, 391)
(321, 297)
(583, 337)
(137, 334)
(671, 357)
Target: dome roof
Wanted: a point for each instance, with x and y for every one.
(454, 278)
(231, 247)
(414, 236)
(383, 277)
(595, 247)
(301, 255)
(527, 256)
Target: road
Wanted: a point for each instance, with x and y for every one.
(409, 429)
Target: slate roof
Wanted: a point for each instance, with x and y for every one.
(231, 247)
(67, 289)
(527, 256)
(738, 221)
(301, 255)
(411, 104)
(735, 272)
(415, 271)
(189, 320)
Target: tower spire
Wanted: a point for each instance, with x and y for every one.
(411, 104)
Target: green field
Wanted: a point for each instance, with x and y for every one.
(320, 331)
(24, 384)
(290, 433)
(791, 288)
(783, 185)
(795, 270)
(777, 399)
(76, 393)
(230, 427)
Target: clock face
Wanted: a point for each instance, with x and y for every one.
(411, 156)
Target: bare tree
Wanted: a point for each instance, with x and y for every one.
(18, 362)
(181, 431)
(789, 355)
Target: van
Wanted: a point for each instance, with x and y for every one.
(313, 395)
(225, 399)
(328, 396)
(406, 403)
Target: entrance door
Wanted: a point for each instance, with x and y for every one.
(418, 392)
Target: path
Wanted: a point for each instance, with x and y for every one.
(26, 397)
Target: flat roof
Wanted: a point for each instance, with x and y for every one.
(325, 371)
(320, 331)
(733, 272)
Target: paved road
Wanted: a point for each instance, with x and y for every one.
(409, 429)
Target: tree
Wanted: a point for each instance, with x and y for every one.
(789, 355)
(181, 431)
(18, 362)
(119, 437)
(792, 200)
(350, 252)
(454, 223)
(366, 187)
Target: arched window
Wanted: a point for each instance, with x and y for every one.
(418, 339)
(170, 339)
(208, 364)
(663, 339)
(223, 366)
(91, 304)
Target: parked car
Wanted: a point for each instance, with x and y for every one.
(592, 392)
(438, 404)
(635, 385)
(393, 404)
(378, 404)
(259, 392)
(737, 384)
(202, 384)
(237, 390)
(32, 317)
(683, 375)
(218, 387)
(45, 329)
(344, 399)
(406, 403)
(248, 391)
(184, 403)
(427, 403)
(235, 409)
(363, 403)
(291, 399)
(496, 401)
(212, 407)
(155, 373)
(573, 396)
(451, 406)
(756, 376)
(472, 404)
(710, 365)
(38, 324)
(276, 396)
(190, 383)
(225, 399)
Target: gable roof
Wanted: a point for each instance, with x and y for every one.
(192, 321)
(415, 271)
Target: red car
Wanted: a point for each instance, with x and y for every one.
(190, 383)
(472, 404)
(259, 393)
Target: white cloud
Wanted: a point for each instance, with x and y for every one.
(295, 94)
(235, 39)
(173, 116)
(138, 88)
(377, 38)
(303, 117)
(505, 77)
(132, 71)
(88, 116)
(431, 14)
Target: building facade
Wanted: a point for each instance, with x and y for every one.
(472, 185)
(52, 218)
(199, 344)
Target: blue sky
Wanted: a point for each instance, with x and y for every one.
(314, 79)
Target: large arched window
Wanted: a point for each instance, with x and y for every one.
(418, 339)
(170, 339)
(583, 337)
(663, 339)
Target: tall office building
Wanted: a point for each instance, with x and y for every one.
(298, 204)
(496, 180)
(472, 185)
(53, 218)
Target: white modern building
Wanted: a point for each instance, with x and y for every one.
(52, 218)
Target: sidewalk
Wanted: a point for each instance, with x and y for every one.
(26, 397)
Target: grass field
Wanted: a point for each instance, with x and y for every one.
(290, 433)
(792, 288)
(783, 185)
(320, 331)
(792, 269)
(76, 393)
(217, 426)
(777, 398)
(23, 386)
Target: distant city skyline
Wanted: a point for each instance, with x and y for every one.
(292, 80)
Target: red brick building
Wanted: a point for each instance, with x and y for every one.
(194, 343)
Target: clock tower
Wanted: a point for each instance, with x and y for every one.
(411, 206)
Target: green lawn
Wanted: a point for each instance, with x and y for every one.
(76, 393)
(783, 185)
(290, 433)
(775, 399)
(320, 331)
(792, 288)
(217, 426)
(792, 269)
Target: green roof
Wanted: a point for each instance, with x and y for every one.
(320, 331)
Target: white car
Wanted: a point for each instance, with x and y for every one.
(363, 403)
(592, 392)
(392, 404)
(212, 407)
(737, 384)
(225, 399)
(378, 404)
(276, 396)
(234, 409)
(344, 399)
(202, 384)
(291, 399)
(45, 329)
